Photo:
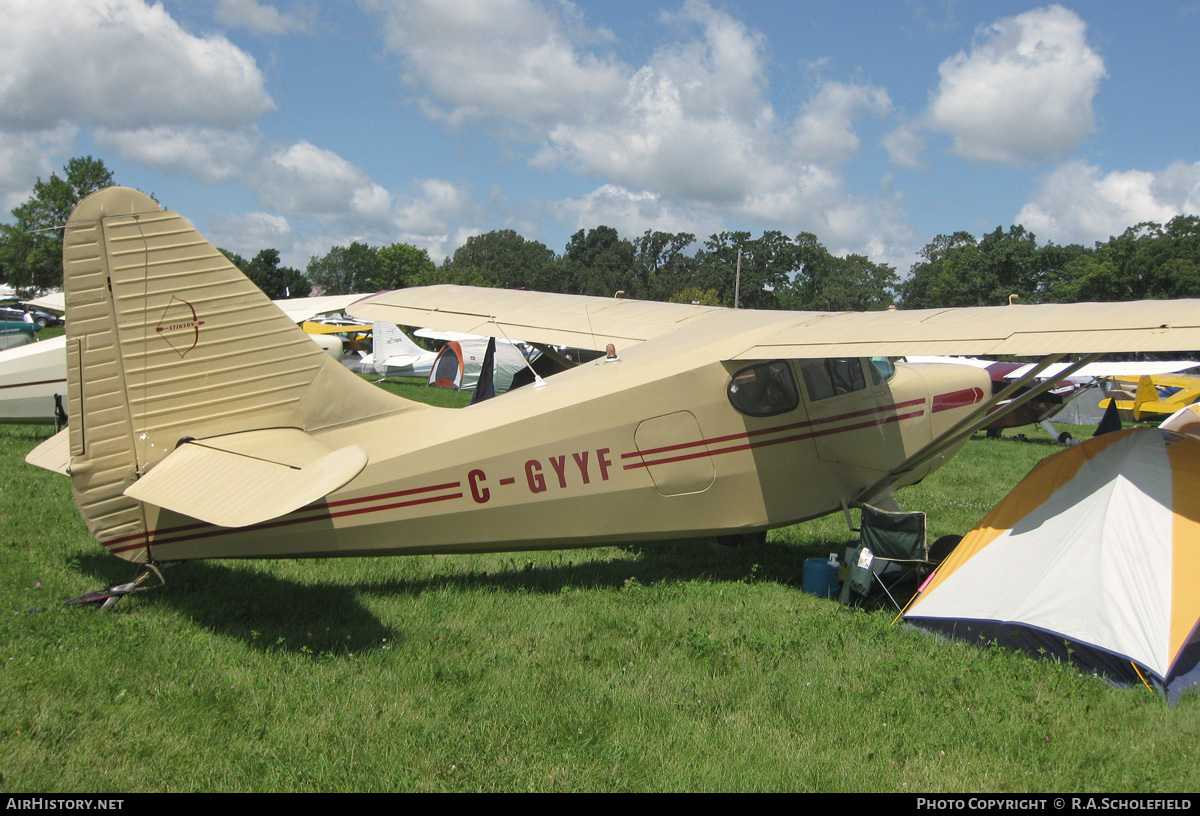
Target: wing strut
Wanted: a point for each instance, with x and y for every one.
(977, 419)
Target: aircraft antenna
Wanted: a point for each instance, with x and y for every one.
(538, 382)
(591, 331)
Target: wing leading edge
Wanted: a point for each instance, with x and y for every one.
(591, 322)
(579, 321)
(1058, 328)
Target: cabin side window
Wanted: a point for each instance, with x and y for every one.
(764, 390)
(832, 376)
(881, 369)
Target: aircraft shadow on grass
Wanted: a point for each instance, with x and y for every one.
(269, 613)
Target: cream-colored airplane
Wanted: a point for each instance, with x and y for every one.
(205, 424)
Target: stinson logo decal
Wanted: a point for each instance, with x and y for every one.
(179, 326)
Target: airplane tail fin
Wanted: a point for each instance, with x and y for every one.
(1146, 392)
(395, 350)
(168, 342)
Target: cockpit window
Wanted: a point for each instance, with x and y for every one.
(832, 376)
(882, 369)
(764, 390)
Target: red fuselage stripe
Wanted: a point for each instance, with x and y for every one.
(945, 401)
(780, 440)
(340, 503)
(716, 440)
(31, 384)
(157, 538)
(957, 399)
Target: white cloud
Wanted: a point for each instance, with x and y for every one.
(130, 66)
(307, 181)
(248, 233)
(632, 213)
(209, 155)
(683, 141)
(26, 156)
(1024, 92)
(693, 123)
(824, 132)
(496, 58)
(904, 147)
(442, 245)
(260, 18)
(438, 206)
(1077, 203)
(329, 201)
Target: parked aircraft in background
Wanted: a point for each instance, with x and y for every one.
(33, 382)
(1085, 381)
(1153, 396)
(33, 378)
(394, 354)
(192, 437)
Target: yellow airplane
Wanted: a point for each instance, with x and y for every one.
(204, 423)
(1156, 396)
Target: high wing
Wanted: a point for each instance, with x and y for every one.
(1059, 328)
(591, 322)
(578, 321)
(306, 308)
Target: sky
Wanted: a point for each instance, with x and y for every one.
(874, 124)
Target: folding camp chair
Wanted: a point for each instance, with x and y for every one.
(891, 555)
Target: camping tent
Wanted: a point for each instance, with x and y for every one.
(458, 364)
(1093, 558)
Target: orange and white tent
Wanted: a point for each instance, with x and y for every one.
(1094, 558)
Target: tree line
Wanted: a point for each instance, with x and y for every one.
(777, 271)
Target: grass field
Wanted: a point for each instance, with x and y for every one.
(673, 667)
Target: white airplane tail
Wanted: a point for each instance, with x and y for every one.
(395, 354)
(168, 342)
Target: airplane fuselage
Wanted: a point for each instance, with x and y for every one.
(636, 450)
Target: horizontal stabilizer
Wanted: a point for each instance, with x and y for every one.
(54, 454)
(400, 360)
(247, 478)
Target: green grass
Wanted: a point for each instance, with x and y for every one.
(681, 666)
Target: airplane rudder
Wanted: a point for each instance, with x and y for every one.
(103, 459)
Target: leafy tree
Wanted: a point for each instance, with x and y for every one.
(601, 262)
(276, 281)
(465, 276)
(825, 282)
(31, 249)
(1147, 260)
(660, 263)
(938, 279)
(344, 270)
(694, 294)
(400, 265)
(766, 268)
(503, 258)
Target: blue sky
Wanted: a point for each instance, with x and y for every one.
(875, 125)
